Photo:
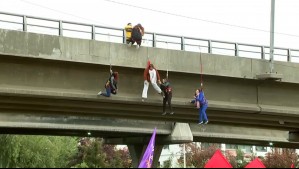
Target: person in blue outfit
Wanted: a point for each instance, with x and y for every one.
(202, 105)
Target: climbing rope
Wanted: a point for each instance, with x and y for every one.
(147, 41)
(201, 67)
(109, 53)
(167, 61)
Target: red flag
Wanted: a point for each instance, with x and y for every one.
(293, 166)
(255, 164)
(218, 161)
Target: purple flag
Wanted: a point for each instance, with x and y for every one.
(148, 156)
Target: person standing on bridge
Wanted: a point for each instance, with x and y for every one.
(202, 105)
(167, 90)
(128, 30)
(111, 85)
(151, 75)
(137, 33)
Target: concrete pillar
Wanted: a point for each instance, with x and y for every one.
(137, 151)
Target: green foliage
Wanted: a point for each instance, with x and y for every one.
(35, 151)
(241, 162)
(168, 163)
(240, 155)
(92, 153)
(237, 161)
(95, 156)
(82, 165)
(59, 152)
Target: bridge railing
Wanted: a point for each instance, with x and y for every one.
(117, 35)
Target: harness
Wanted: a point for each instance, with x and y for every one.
(205, 102)
(168, 89)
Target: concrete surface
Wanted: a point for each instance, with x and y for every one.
(103, 53)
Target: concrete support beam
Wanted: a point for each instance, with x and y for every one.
(181, 134)
(294, 136)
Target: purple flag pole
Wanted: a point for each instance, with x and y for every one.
(148, 156)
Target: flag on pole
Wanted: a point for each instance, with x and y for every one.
(148, 156)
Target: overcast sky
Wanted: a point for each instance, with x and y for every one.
(244, 21)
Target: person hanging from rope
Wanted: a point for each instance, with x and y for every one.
(202, 105)
(128, 30)
(110, 85)
(137, 33)
(151, 75)
(193, 101)
(167, 90)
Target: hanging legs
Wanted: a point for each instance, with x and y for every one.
(203, 119)
(167, 98)
(145, 89)
(107, 94)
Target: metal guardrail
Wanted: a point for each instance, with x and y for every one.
(156, 39)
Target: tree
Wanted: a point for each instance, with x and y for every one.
(281, 158)
(93, 153)
(9, 151)
(95, 156)
(237, 161)
(197, 157)
(168, 163)
(125, 157)
(35, 151)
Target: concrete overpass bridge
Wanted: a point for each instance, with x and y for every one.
(48, 85)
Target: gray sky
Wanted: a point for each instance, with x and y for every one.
(245, 15)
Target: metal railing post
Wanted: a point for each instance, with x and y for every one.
(154, 40)
(60, 29)
(210, 46)
(289, 55)
(124, 36)
(263, 52)
(182, 43)
(236, 49)
(24, 23)
(93, 32)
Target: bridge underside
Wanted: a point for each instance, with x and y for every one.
(63, 103)
(71, 115)
(136, 132)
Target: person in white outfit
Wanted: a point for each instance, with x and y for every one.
(151, 75)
